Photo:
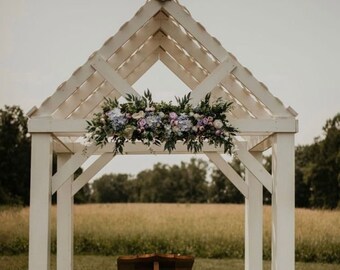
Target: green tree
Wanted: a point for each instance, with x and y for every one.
(324, 173)
(14, 156)
(110, 188)
(83, 195)
(222, 190)
(193, 184)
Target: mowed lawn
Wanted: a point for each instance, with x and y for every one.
(212, 233)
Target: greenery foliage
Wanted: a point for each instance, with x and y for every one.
(142, 119)
(15, 156)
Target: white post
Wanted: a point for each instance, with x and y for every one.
(40, 202)
(254, 221)
(283, 203)
(64, 220)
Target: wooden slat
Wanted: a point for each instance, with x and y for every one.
(130, 28)
(109, 48)
(211, 81)
(181, 73)
(229, 172)
(236, 90)
(215, 48)
(112, 76)
(123, 53)
(105, 90)
(191, 82)
(196, 30)
(90, 172)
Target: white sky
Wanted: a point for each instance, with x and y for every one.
(293, 46)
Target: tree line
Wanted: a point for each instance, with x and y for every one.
(317, 173)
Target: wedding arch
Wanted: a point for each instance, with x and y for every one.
(162, 30)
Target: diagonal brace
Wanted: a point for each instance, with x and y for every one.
(69, 168)
(91, 171)
(229, 172)
(254, 166)
(109, 74)
(210, 82)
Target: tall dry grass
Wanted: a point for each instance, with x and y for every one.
(204, 230)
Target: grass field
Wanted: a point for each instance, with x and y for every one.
(205, 231)
(90, 262)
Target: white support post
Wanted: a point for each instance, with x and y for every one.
(254, 221)
(283, 242)
(40, 204)
(64, 220)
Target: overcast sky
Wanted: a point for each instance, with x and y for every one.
(292, 46)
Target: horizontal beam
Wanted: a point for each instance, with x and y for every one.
(136, 149)
(245, 126)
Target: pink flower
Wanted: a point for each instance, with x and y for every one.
(173, 115)
(218, 132)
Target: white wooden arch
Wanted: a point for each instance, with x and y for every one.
(164, 31)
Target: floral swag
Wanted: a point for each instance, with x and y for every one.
(142, 119)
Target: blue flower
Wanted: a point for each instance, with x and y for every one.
(117, 119)
(184, 122)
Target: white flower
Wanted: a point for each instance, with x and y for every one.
(195, 128)
(161, 114)
(175, 129)
(138, 115)
(128, 131)
(197, 116)
(218, 124)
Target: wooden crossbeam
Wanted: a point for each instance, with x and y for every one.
(69, 168)
(254, 166)
(188, 78)
(135, 74)
(112, 76)
(229, 172)
(245, 126)
(90, 172)
(211, 81)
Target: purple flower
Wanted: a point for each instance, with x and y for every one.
(173, 115)
(205, 121)
(141, 122)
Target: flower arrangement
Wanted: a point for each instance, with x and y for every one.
(142, 119)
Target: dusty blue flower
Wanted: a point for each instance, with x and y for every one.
(184, 122)
(153, 121)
